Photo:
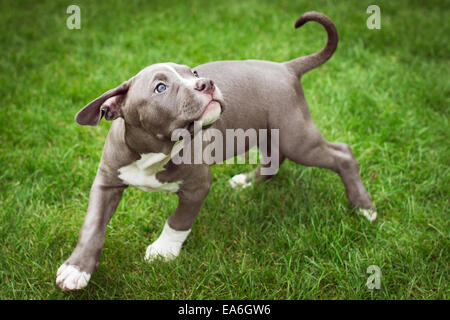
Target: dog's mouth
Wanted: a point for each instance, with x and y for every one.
(210, 114)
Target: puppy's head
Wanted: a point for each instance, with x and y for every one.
(159, 99)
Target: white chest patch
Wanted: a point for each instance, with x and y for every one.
(142, 173)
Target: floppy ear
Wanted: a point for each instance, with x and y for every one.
(108, 105)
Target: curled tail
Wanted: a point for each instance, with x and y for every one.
(306, 63)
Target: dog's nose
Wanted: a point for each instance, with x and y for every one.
(205, 85)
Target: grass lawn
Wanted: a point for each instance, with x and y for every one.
(385, 92)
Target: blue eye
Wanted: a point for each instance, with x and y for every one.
(160, 87)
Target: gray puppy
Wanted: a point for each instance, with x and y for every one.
(149, 107)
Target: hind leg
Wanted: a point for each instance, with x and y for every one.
(271, 159)
(247, 179)
(311, 149)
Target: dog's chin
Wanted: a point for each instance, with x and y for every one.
(210, 115)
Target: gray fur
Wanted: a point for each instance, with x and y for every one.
(255, 94)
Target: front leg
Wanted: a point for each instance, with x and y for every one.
(76, 271)
(193, 192)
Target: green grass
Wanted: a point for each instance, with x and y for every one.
(385, 92)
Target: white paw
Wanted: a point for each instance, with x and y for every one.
(69, 277)
(239, 181)
(167, 251)
(168, 245)
(370, 214)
